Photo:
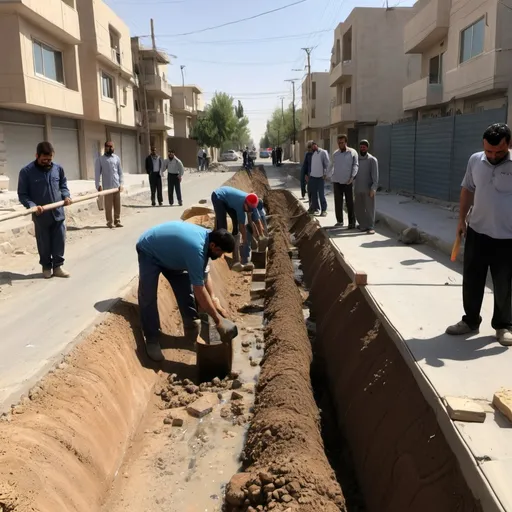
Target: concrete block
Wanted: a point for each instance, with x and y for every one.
(360, 278)
(502, 400)
(464, 409)
(259, 259)
(6, 248)
(257, 290)
(259, 274)
(202, 406)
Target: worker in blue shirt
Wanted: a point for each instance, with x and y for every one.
(237, 204)
(40, 183)
(180, 251)
(258, 217)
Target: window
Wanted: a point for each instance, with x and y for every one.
(348, 95)
(48, 62)
(313, 113)
(472, 41)
(435, 74)
(347, 45)
(107, 86)
(313, 91)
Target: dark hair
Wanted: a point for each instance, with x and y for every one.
(496, 133)
(45, 148)
(343, 136)
(171, 151)
(222, 238)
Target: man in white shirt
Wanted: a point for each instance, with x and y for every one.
(175, 171)
(486, 196)
(200, 157)
(344, 167)
(316, 180)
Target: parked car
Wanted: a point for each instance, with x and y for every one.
(264, 154)
(229, 156)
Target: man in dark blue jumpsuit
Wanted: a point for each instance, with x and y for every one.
(43, 182)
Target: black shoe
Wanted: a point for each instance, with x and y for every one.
(323, 214)
(171, 204)
(351, 226)
(180, 203)
(160, 204)
(153, 204)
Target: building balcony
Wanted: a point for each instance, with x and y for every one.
(343, 70)
(113, 58)
(180, 105)
(343, 113)
(428, 26)
(422, 94)
(158, 86)
(159, 121)
(58, 17)
(158, 55)
(484, 73)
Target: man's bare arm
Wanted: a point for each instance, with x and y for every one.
(205, 303)
(466, 202)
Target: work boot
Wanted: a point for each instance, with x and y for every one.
(248, 267)
(504, 337)
(60, 272)
(154, 351)
(47, 273)
(460, 328)
(237, 267)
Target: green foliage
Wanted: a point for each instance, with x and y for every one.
(280, 126)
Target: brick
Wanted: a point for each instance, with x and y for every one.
(203, 406)
(259, 274)
(259, 259)
(502, 400)
(464, 409)
(360, 279)
(257, 290)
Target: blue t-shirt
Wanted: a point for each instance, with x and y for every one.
(178, 245)
(234, 199)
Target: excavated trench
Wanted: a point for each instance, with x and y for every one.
(335, 420)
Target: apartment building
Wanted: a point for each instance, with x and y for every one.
(369, 70)
(40, 84)
(316, 110)
(108, 84)
(466, 66)
(153, 114)
(187, 102)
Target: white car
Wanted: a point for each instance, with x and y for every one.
(229, 156)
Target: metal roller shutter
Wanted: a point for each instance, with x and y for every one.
(433, 157)
(115, 137)
(402, 157)
(20, 144)
(382, 151)
(129, 153)
(469, 129)
(65, 143)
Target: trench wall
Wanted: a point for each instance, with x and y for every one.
(401, 457)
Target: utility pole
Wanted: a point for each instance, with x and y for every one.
(182, 67)
(310, 89)
(293, 80)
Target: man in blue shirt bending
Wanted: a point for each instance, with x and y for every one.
(40, 183)
(180, 251)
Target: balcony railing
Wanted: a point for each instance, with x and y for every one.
(422, 93)
(343, 70)
(158, 85)
(159, 120)
(116, 55)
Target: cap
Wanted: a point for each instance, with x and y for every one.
(364, 142)
(252, 200)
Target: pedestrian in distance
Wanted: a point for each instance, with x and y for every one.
(40, 183)
(238, 205)
(181, 252)
(200, 154)
(108, 176)
(306, 170)
(316, 181)
(365, 187)
(344, 167)
(279, 155)
(485, 220)
(274, 159)
(175, 170)
(154, 168)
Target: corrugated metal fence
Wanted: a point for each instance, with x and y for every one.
(429, 157)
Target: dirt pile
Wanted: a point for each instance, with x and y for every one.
(285, 464)
(402, 459)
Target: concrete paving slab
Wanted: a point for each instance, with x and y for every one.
(420, 292)
(464, 409)
(259, 274)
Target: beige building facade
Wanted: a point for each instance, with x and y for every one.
(316, 110)
(369, 70)
(187, 102)
(464, 46)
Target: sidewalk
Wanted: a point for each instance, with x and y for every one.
(418, 291)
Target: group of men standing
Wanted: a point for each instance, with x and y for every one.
(277, 156)
(351, 173)
(203, 161)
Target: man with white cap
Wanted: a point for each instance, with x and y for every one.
(365, 186)
(237, 204)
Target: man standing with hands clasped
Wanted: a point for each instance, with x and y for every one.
(154, 166)
(175, 170)
(344, 167)
(366, 184)
(44, 182)
(485, 220)
(109, 170)
(319, 169)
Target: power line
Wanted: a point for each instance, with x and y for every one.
(240, 20)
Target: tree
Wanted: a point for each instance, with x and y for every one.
(280, 126)
(239, 110)
(222, 116)
(203, 130)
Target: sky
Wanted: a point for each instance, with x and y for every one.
(250, 60)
